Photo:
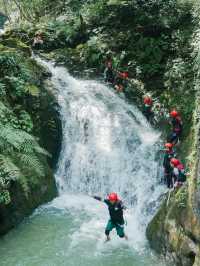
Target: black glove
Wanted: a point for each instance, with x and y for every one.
(97, 198)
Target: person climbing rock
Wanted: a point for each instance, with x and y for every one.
(148, 103)
(178, 173)
(121, 81)
(109, 73)
(115, 207)
(169, 154)
(177, 126)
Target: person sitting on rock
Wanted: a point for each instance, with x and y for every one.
(121, 81)
(169, 154)
(38, 41)
(178, 173)
(177, 127)
(109, 73)
(148, 104)
(115, 207)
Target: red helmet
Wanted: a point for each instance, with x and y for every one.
(126, 74)
(147, 100)
(169, 145)
(113, 197)
(174, 113)
(123, 75)
(175, 162)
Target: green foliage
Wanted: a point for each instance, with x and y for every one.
(2, 90)
(181, 197)
(143, 28)
(22, 159)
(8, 63)
(5, 197)
(25, 121)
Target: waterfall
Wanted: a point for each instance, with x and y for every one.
(107, 146)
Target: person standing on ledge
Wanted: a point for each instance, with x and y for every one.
(177, 127)
(148, 104)
(169, 154)
(115, 207)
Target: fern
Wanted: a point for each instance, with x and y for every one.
(33, 163)
(21, 157)
(7, 166)
(42, 151)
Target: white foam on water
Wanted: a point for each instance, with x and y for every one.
(107, 146)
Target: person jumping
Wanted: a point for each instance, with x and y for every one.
(115, 207)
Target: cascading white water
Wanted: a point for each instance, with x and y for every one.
(107, 146)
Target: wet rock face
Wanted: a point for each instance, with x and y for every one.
(175, 230)
(22, 206)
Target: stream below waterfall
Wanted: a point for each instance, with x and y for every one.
(107, 146)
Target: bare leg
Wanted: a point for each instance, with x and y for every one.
(126, 237)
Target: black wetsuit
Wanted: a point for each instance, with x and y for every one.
(177, 128)
(116, 217)
(109, 75)
(147, 111)
(115, 210)
(168, 169)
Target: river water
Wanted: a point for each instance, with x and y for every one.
(107, 146)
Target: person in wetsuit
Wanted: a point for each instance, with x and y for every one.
(109, 75)
(177, 127)
(121, 81)
(116, 221)
(148, 104)
(178, 173)
(169, 154)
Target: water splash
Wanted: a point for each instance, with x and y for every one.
(107, 146)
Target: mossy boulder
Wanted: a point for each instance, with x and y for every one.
(22, 205)
(175, 229)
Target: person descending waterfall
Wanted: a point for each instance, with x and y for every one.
(148, 103)
(109, 73)
(178, 173)
(177, 127)
(115, 207)
(121, 81)
(169, 154)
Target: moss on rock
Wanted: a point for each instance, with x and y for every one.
(27, 105)
(17, 44)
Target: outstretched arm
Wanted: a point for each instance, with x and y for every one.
(101, 199)
(97, 198)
